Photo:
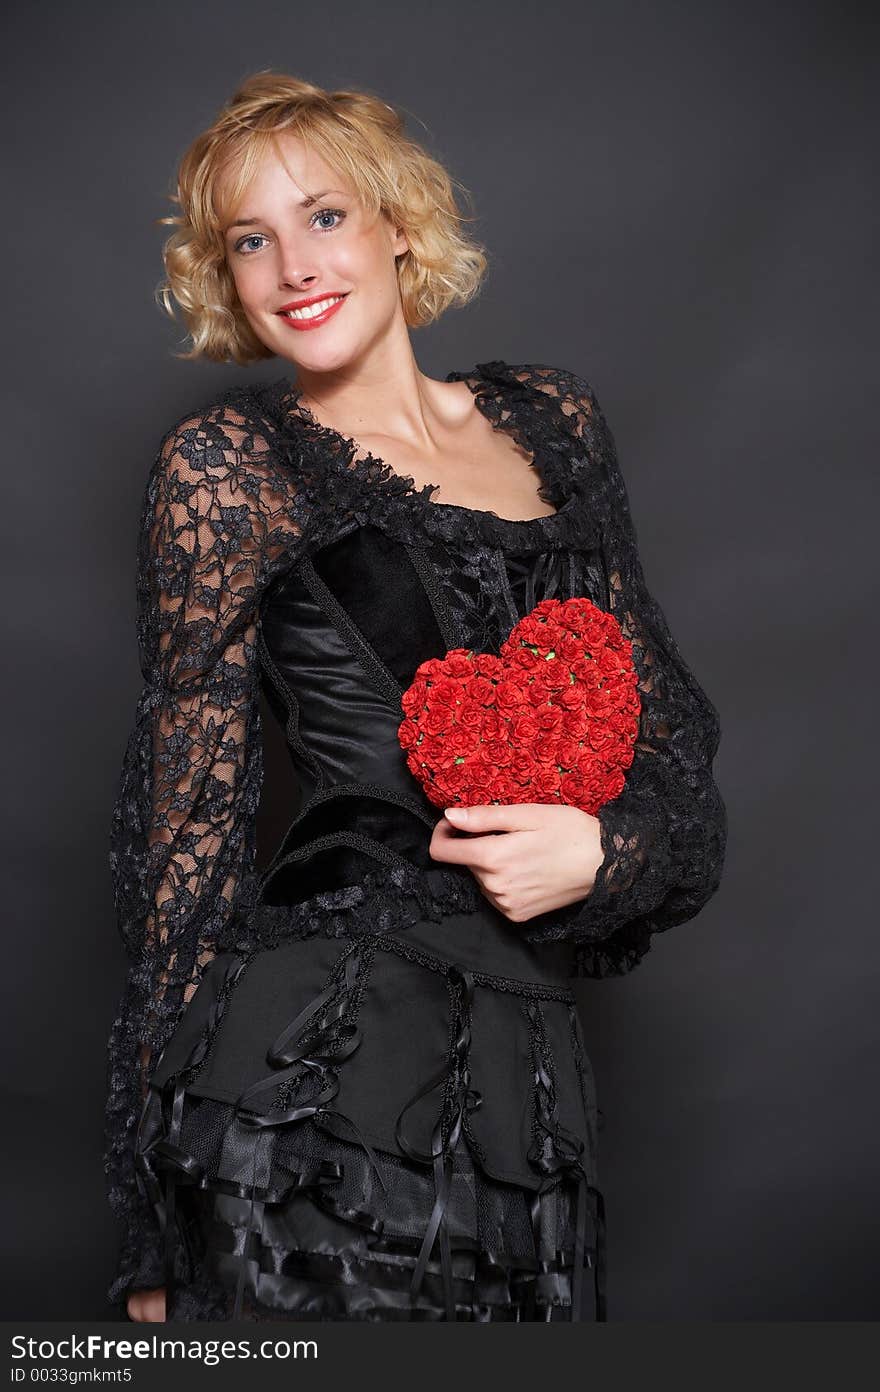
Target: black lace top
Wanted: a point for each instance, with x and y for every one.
(263, 532)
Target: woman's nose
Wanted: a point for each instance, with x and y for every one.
(297, 267)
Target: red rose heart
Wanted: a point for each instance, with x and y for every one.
(553, 718)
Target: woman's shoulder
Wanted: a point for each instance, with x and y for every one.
(226, 427)
(570, 389)
(570, 392)
(224, 462)
(234, 444)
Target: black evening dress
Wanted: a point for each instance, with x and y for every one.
(346, 1087)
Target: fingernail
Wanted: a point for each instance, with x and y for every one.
(456, 814)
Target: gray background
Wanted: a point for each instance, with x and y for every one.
(680, 206)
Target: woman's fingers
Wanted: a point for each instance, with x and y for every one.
(447, 844)
(147, 1307)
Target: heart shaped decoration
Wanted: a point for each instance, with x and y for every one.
(553, 718)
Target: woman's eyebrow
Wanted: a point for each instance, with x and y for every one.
(306, 203)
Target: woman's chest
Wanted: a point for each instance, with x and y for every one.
(482, 470)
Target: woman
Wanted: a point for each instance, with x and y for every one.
(354, 1086)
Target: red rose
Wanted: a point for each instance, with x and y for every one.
(447, 691)
(567, 751)
(571, 788)
(524, 659)
(571, 698)
(521, 766)
(524, 728)
(576, 722)
(481, 773)
(498, 753)
(436, 719)
(434, 752)
(529, 631)
(538, 694)
(599, 703)
(555, 674)
(584, 670)
(614, 785)
(549, 719)
(493, 725)
(456, 778)
(479, 690)
(601, 738)
(471, 714)
(569, 648)
(508, 695)
(545, 783)
(407, 734)
(462, 741)
(571, 617)
(415, 696)
(489, 665)
(545, 748)
(459, 663)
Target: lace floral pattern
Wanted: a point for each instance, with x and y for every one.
(238, 492)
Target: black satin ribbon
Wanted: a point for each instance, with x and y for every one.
(332, 1043)
(600, 1276)
(560, 1152)
(464, 1099)
(323, 1172)
(184, 1171)
(253, 1205)
(548, 1282)
(177, 1165)
(541, 573)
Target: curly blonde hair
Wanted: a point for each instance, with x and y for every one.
(361, 137)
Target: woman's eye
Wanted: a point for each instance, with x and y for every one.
(329, 212)
(254, 237)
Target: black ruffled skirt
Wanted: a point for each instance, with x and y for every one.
(381, 1127)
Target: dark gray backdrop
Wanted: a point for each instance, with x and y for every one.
(679, 204)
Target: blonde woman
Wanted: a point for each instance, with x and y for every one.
(353, 1085)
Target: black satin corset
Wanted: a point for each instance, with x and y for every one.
(341, 637)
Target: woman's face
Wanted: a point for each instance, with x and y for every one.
(297, 247)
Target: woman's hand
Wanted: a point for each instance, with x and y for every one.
(547, 858)
(147, 1306)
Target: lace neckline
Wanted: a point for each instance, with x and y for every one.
(508, 405)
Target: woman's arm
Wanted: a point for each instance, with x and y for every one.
(183, 823)
(664, 837)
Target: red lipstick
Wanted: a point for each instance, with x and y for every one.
(314, 321)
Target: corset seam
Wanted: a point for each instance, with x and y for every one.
(357, 840)
(434, 590)
(382, 681)
(288, 697)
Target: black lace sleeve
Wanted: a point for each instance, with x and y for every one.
(664, 837)
(215, 516)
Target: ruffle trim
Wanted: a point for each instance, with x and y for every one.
(390, 898)
(386, 900)
(300, 1251)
